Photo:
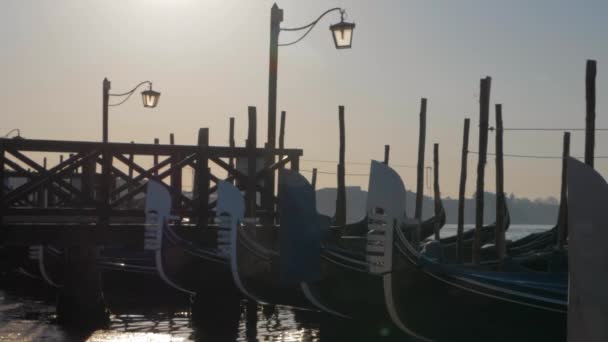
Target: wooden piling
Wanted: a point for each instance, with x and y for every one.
(341, 195)
(420, 172)
(314, 178)
(500, 239)
(387, 149)
(462, 189)
(231, 141)
(591, 72)
(202, 177)
(250, 193)
(437, 194)
(282, 130)
(155, 158)
(130, 173)
(562, 225)
(176, 176)
(484, 110)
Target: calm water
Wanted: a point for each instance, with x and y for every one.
(23, 318)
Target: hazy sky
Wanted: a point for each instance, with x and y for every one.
(209, 58)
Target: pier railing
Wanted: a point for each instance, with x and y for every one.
(102, 183)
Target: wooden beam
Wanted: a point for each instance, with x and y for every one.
(462, 190)
(484, 110)
(500, 239)
(590, 74)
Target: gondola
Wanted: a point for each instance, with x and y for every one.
(499, 301)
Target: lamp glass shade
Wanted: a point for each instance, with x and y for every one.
(150, 98)
(343, 34)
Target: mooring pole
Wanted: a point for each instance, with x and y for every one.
(314, 179)
(250, 193)
(202, 177)
(500, 243)
(484, 110)
(437, 194)
(591, 73)
(462, 189)
(231, 142)
(156, 141)
(387, 149)
(341, 196)
(562, 225)
(176, 176)
(282, 132)
(420, 173)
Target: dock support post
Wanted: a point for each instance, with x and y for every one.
(80, 301)
(462, 189)
(231, 143)
(176, 176)
(484, 110)
(341, 195)
(420, 173)
(314, 179)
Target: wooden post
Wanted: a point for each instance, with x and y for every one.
(176, 177)
(314, 179)
(484, 110)
(155, 158)
(387, 149)
(341, 195)
(202, 177)
(591, 72)
(420, 173)
(562, 226)
(500, 243)
(251, 192)
(130, 170)
(282, 131)
(231, 142)
(462, 189)
(88, 178)
(105, 185)
(437, 194)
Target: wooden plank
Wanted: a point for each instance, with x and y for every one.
(462, 189)
(500, 239)
(420, 172)
(562, 224)
(590, 74)
(340, 215)
(484, 110)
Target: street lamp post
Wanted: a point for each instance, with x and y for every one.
(149, 98)
(342, 33)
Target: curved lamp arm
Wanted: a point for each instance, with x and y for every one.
(129, 93)
(11, 131)
(311, 25)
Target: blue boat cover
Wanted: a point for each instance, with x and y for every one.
(300, 231)
(552, 286)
